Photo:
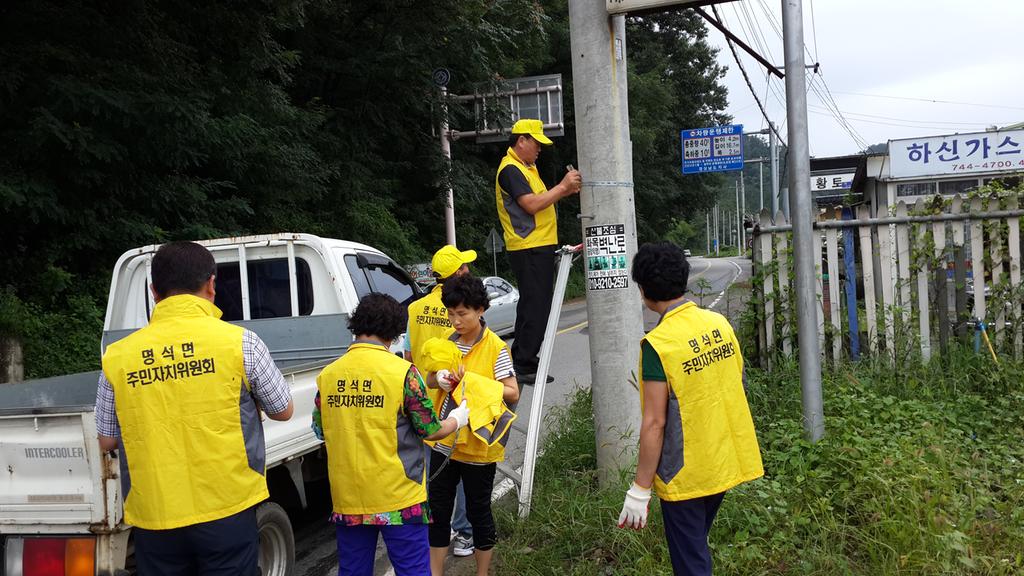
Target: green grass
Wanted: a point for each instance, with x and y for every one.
(920, 472)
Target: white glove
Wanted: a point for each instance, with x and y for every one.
(461, 415)
(634, 509)
(444, 379)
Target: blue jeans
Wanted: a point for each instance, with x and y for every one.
(408, 549)
(460, 523)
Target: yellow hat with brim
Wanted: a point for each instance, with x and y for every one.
(535, 128)
(449, 259)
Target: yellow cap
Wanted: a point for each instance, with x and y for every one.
(534, 128)
(449, 259)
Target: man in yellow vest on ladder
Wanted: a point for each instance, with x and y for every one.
(182, 399)
(526, 209)
(697, 437)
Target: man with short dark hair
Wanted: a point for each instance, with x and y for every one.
(181, 398)
(691, 378)
(526, 209)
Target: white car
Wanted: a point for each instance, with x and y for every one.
(501, 316)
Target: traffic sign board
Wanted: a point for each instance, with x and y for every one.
(714, 149)
(494, 242)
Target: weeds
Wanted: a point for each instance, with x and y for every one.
(919, 473)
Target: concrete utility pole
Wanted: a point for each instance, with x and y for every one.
(804, 258)
(760, 179)
(446, 149)
(598, 44)
(743, 213)
(773, 151)
(718, 228)
(707, 216)
(736, 185)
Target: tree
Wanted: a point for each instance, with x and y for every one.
(130, 124)
(674, 83)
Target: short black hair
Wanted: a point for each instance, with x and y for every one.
(661, 271)
(181, 268)
(514, 139)
(466, 290)
(378, 315)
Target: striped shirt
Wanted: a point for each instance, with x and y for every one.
(269, 389)
(502, 369)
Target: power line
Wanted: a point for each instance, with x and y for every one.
(931, 100)
(883, 123)
(763, 46)
(930, 122)
(836, 114)
(831, 106)
(747, 79)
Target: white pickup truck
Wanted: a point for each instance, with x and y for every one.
(60, 496)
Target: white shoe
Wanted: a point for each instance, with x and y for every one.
(463, 546)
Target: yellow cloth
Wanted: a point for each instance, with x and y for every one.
(375, 460)
(489, 417)
(540, 229)
(178, 386)
(483, 441)
(709, 445)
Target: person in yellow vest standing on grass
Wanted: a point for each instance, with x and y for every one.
(181, 398)
(373, 413)
(697, 437)
(526, 209)
(467, 458)
(428, 318)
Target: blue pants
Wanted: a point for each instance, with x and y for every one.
(687, 523)
(460, 523)
(407, 544)
(225, 547)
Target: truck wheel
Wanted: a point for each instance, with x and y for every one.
(277, 541)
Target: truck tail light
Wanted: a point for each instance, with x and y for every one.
(50, 557)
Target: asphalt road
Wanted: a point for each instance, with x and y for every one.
(570, 366)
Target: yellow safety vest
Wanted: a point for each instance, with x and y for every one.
(191, 433)
(523, 230)
(428, 318)
(375, 460)
(709, 444)
(480, 361)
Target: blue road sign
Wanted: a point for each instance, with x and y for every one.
(715, 149)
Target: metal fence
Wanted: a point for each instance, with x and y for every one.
(906, 284)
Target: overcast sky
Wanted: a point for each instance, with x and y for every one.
(883, 61)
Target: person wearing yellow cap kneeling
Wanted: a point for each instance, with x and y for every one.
(526, 209)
